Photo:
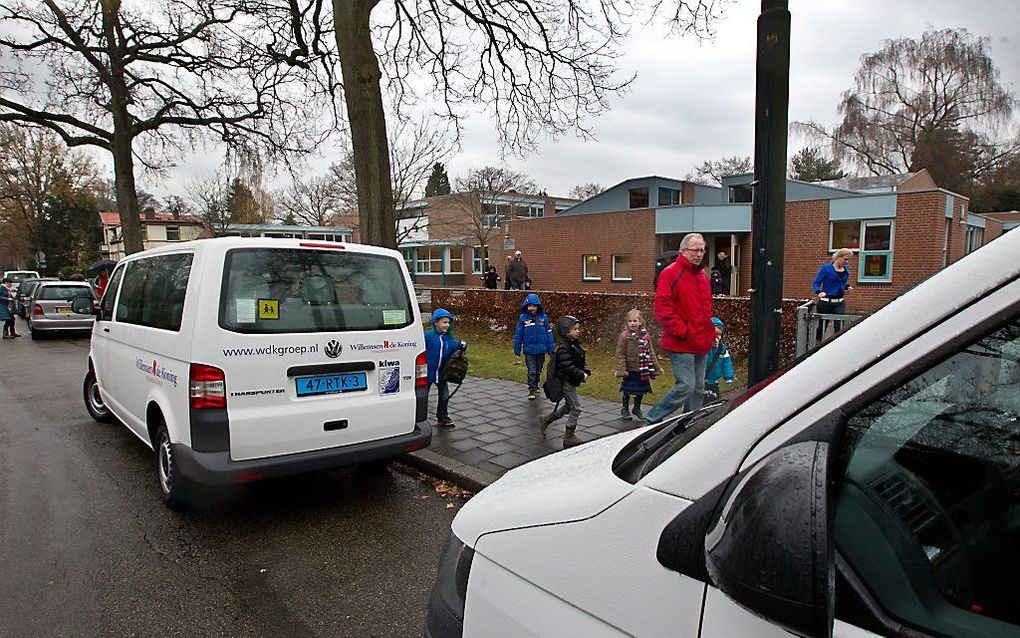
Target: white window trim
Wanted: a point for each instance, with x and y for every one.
(584, 267)
(478, 260)
(447, 259)
(892, 247)
(615, 278)
(432, 259)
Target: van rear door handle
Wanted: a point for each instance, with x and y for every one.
(106, 329)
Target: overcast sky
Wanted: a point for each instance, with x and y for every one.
(694, 100)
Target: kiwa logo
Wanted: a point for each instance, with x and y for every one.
(158, 373)
(333, 349)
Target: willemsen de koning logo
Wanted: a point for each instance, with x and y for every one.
(153, 369)
(385, 345)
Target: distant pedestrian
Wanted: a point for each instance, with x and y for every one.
(491, 278)
(635, 363)
(440, 344)
(517, 272)
(7, 308)
(831, 284)
(572, 369)
(506, 272)
(719, 364)
(101, 282)
(683, 307)
(534, 338)
(717, 283)
(722, 264)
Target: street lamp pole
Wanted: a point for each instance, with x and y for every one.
(768, 208)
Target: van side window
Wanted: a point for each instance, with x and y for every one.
(928, 514)
(154, 291)
(111, 293)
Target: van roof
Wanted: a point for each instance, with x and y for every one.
(226, 243)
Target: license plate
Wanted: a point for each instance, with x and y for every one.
(63, 310)
(331, 384)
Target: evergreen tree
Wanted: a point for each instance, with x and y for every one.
(439, 181)
(809, 165)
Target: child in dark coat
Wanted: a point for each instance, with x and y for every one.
(491, 278)
(635, 363)
(572, 369)
(534, 337)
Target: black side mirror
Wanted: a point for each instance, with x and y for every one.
(771, 550)
(83, 306)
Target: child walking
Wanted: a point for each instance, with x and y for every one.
(572, 369)
(440, 344)
(718, 364)
(534, 336)
(635, 363)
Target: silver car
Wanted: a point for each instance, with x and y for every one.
(50, 310)
(25, 292)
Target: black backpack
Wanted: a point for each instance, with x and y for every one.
(553, 386)
(456, 367)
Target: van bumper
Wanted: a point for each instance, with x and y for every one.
(216, 468)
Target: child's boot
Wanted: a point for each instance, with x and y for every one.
(625, 409)
(547, 421)
(570, 439)
(532, 394)
(637, 408)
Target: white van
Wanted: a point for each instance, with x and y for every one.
(873, 489)
(241, 359)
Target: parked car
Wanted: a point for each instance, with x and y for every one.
(872, 489)
(241, 359)
(24, 296)
(18, 276)
(50, 310)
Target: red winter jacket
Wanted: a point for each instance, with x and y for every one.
(683, 307)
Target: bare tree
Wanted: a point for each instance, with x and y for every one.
(146, 81)
(311, 201)
(711, 172)
(930, 103)
(586, 191)
(209, 196)
(496, 179)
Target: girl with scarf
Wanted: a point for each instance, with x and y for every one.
(635, 363)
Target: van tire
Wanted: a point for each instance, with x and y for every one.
(94, 403)
(177, 490)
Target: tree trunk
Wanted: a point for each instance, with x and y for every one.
(367, 117)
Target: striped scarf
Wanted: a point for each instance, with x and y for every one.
(646, 365)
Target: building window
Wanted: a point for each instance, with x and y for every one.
(173, 233)
(945, 242)
(479, 259)
(639, 197)
(430, 260)
(845, 235)
(592, 265)
(455, 260)
(975, 239)
(408, 258)
(876, 253)
(529, 211)
(668, 197)
(621, 268)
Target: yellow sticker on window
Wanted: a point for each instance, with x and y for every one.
(269, 309)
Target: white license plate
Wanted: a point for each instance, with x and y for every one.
(63, 310)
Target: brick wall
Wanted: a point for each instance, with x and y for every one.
(554, 246)
(807, 246)
(993, 230)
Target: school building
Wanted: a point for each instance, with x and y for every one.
(902, 229)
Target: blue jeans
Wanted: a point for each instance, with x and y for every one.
(535, 363)
(443, 404)
(688, 392)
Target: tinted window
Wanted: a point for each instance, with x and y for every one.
(268, 290)
(111, 293)
(153, 291)
(52, 292)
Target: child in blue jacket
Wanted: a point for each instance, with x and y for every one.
(440, 344)
(718, 364)
(534, 336)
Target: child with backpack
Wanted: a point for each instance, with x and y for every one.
(440, 345)
(534, 337)
(718, 364)
(635, 363)
(570, 370)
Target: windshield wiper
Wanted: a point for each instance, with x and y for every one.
(660, 436)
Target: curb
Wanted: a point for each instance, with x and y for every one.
(465, 476)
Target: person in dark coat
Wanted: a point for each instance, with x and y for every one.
(6, 309)
(506, 272)
(722, 264)
(718, 287)
(517, 272)
(491, 278)
(572, 370)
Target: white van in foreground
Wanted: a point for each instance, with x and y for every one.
(241, 359)
(873, 489)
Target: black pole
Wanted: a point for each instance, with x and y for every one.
(771, 111)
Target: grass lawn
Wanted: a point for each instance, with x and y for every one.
(491, 355)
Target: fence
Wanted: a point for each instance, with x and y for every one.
(808, 321)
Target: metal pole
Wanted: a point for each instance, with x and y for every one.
(772, 101)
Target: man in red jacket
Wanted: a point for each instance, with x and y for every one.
(683, 307)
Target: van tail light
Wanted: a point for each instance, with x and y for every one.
(207, 387)
(37, 310)
(421, 371)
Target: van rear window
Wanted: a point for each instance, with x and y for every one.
(276, 290)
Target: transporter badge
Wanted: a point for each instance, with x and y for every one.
(333, 349)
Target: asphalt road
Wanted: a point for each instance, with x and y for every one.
(88, 549)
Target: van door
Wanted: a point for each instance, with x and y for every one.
(317, 345)
(101, 342)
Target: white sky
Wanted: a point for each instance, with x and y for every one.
(694, 101)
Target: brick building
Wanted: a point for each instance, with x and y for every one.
(902, 229)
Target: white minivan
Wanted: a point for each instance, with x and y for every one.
(873, 489)
(238, 359)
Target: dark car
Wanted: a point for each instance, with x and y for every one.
(23, 299)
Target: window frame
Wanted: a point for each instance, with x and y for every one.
(674, 196)
(634, 194)
(448, 260)
(630, 259)
(888, 253)
(584, 267)
(432, 259)
(147, 273)
(176, 230)
(479, 265)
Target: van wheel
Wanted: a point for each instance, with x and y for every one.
(94, 399)
(177, 490)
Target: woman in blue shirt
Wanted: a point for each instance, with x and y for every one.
(831, 284)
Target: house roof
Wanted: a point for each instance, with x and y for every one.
(112, 218)
(866, 183)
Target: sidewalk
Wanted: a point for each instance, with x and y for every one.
(497, 429)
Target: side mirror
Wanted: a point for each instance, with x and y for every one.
(83, 306)
(771, 550)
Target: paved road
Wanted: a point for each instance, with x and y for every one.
(88, 549)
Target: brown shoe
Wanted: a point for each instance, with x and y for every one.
(570, 439)
(17, 334)
(546, 422)
(445, 422)
(8, 336)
